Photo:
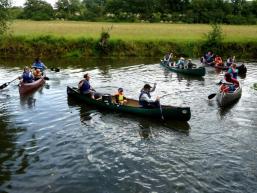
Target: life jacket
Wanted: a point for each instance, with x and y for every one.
(143, 102)
(37, 74)
(224, 88)
(218, 61)
(27, 77)
(119, 97)
(233, 72)
(85, 86)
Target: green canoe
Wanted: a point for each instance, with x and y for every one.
(200, 71)
(132, 107)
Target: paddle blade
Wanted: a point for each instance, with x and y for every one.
(211, 95)
(3, 86)
(55, 69)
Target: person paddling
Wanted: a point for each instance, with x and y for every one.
(145, 99)
(38, 64)
(233, 71)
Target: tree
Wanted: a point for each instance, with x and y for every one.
(4, 16)
(69, 9)
(37, 10)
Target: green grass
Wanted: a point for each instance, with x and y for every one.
(131, 31)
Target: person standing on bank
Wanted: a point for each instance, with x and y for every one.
(145, 99)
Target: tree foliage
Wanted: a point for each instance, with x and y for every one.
(4, 16)
(187, 11)
(37, 10)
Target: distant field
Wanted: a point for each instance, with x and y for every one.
(132, 31)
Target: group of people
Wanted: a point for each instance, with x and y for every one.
(210, 58)
(145, 98)
(181, 63)
(34, 73)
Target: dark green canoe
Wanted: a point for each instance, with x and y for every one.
(200, 71)
(168, 112)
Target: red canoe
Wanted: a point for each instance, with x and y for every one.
(25, 88)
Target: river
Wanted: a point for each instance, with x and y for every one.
(51, 143)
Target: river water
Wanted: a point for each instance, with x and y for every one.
(50, 143)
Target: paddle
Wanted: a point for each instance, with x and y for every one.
(161, 110)
(7, 83)
(55, 69)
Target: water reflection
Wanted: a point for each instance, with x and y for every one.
(56, 143)
(223, 111)
(9, 152)
(145, 130)
(28, 100)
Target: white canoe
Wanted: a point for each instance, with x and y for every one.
(225, 99)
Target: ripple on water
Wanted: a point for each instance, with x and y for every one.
(63, 146)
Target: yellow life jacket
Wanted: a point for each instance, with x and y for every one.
(120, 97)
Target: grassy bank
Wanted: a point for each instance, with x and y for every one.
(80, 39)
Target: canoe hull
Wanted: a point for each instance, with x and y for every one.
(168, 112)
(200, 71)
(225, 99)
(241, 68)
(25, 88)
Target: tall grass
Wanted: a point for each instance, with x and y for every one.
(131, 31)
(80, 39)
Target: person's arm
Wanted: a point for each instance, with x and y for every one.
(80, 84)
(153, 89)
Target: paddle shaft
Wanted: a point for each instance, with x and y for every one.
(7, 83)
(161, 110)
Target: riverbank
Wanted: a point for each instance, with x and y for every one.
(81, 39)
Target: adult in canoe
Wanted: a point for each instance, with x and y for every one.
(85, 87)
(180, 63)
(38, 64)
(230, 61)
(233, 71)
(145, 98)
(208, 58)
(167, 57)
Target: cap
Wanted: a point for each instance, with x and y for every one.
(181, 58)
(120, 89)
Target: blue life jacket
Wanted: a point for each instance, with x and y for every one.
(143, 102)
(27, 77)
(85, 86)
(233, 73)
(232, 88)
